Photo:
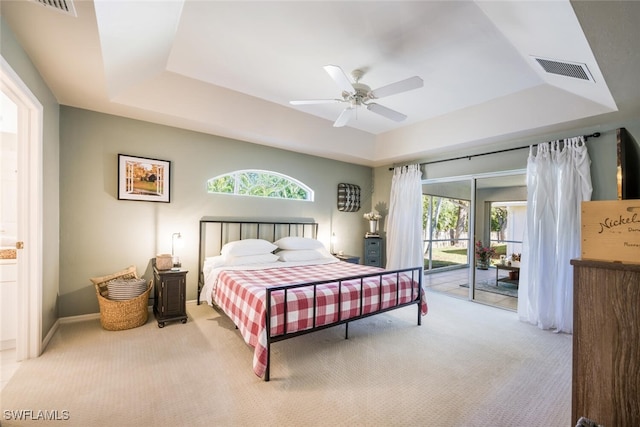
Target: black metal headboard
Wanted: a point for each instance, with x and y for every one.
(216, 231)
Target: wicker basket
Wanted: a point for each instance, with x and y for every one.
(120, 315)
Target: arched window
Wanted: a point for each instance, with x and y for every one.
(259, 183)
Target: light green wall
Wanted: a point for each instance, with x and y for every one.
(101, 234)
(15, 56)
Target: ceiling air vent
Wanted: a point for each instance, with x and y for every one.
(564, 68)
(64, 6)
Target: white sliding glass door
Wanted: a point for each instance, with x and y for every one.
(465, 216)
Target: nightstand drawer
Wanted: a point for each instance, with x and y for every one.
(373, 251)
(373, 261)
(373, 242)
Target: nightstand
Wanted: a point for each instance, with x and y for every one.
(169, 292)
(348, 258)
(373, 251)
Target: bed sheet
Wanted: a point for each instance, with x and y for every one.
(240, 292)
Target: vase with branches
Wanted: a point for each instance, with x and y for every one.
(373, 218)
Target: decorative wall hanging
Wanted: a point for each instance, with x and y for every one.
(143, 179)
(348, 197)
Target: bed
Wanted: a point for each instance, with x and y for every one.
(249, 269)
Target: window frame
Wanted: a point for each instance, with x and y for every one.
(236, 176)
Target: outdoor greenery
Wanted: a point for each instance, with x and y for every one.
(259, 184)
(444, 257)
(222, 184)
(452, 214)
(449, 221)
(446, 215)
(499, 220)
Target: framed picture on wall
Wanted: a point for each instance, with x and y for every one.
(140, 178)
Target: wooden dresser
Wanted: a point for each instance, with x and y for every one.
(606, 343)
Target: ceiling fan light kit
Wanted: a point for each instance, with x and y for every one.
(357, 94)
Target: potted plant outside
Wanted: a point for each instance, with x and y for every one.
(483, 255)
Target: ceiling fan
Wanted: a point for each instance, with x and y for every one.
(358, 94)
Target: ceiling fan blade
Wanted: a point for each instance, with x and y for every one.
(386, 112)
(315, 101)
(340, 78)
(398, 87)
(344, 117)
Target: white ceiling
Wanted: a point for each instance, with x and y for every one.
(230, 68)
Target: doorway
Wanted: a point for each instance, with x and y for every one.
(8, 222)
(459, 213)
(8, 233)
(501, 211)
(28, 235)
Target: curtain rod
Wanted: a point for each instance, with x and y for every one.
(586, 137)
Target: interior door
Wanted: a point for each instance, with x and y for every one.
(29, 212)
(8, 223)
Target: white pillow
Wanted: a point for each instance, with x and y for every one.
(304, 254)
(248, 247)
(250, 259)
(212, 262)
(297, 243)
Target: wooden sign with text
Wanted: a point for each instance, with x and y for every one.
(611, 230)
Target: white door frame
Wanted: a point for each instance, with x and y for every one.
(30, 197)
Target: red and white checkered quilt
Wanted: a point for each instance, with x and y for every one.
(241, 294)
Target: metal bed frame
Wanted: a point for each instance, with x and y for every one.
(230, 229)
(272, 231)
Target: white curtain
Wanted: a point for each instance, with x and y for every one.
(404, 226)
(558, 180)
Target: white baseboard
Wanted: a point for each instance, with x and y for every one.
(49, 335)
(7, 344)
(79, 318)
(63, 320)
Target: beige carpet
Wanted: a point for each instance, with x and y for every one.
(467, 365)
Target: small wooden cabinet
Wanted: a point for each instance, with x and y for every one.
(606, 347)
(373, 251)
(169, 293)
